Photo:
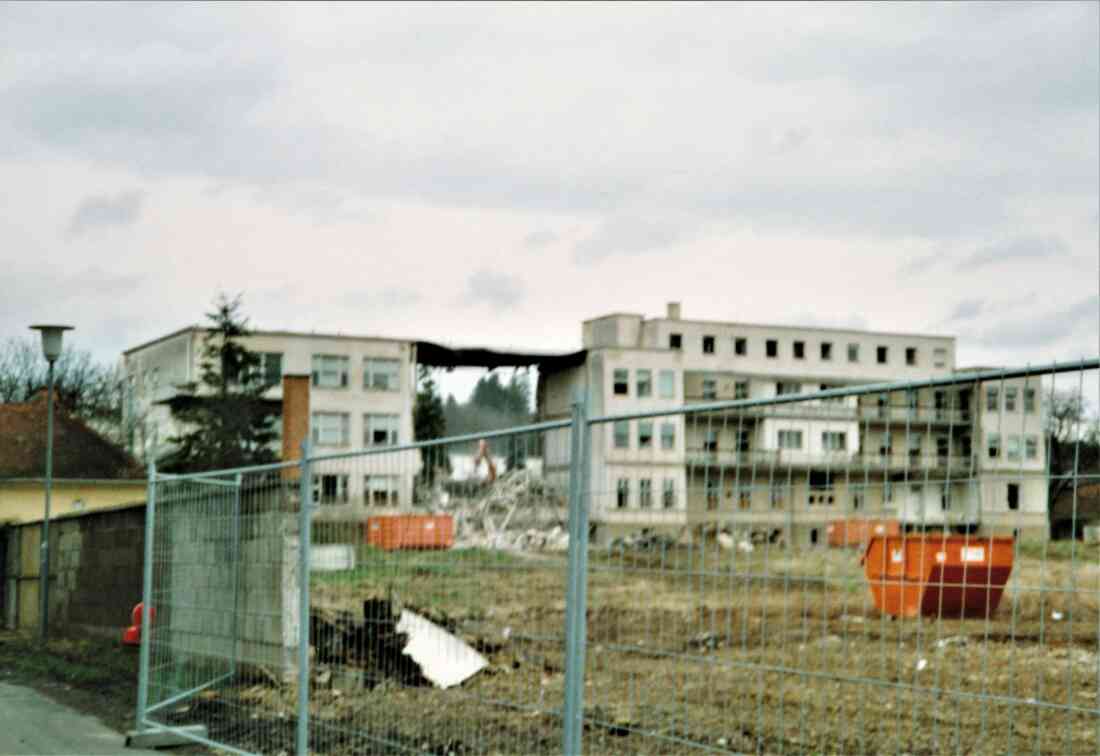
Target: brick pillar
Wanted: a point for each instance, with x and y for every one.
(295, 415)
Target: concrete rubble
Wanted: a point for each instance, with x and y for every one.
(515, 512)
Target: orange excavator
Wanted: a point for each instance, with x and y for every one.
(483, 453)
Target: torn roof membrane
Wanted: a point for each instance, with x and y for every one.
(436, 355)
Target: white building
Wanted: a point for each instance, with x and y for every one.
(362, 391)
(964, 457)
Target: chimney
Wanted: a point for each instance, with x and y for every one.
(673, 310)
(295, 415)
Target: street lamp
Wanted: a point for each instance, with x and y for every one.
(51, 349)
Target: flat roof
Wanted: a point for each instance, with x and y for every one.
(258, 332)
(738, 324)
(437, 355)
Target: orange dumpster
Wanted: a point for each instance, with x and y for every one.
(947, 575)
(392, 532)
(855, 533)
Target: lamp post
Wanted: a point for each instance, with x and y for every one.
(51, 349)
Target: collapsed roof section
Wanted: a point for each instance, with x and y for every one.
(436, 355)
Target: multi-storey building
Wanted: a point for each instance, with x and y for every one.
(967, 456)
(362, 391)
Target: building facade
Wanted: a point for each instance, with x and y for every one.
(361, 395)
(969, 457)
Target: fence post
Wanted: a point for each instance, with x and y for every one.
(305, 487)
(576, 627)
(239, 481)
(146, 596)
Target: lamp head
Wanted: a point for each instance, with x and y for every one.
(51, 339)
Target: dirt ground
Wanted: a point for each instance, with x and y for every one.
(695, 648)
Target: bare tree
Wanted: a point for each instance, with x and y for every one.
(1072, 438)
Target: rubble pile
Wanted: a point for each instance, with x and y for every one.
(515, 512)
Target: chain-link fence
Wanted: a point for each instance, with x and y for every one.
(864, 569)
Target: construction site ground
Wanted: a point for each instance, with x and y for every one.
(689, 646)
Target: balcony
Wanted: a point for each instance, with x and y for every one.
(765, 459)
(916, 416)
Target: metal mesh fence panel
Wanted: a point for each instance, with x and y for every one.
(861, 571)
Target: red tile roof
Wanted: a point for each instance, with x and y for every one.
(79, 452)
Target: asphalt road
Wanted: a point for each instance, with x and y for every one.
(30, 723)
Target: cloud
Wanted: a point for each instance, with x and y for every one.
(99, 211)
(1015, 249)
(967, 309)
(540, 239)
(498, 290)
(920, 264)
(630, 235)
(1042, 330)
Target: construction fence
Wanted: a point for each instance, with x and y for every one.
(847, 570)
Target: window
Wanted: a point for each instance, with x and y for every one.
(800, 350)
(821, 480)
(743, 440)
(939, 401)
(622, 434)
(853, 353)
(945, 499)
(826, 351)
(668, 435)
(911, 356)
(992, 399)
(668, 496)
(645, 493)
(1029, 400)
(939, 357)
(708, 345)
(271, 368)
(771, 348)
(330, 371)
(381, 375)
(1013, 496)
(331, 428)
(912, 402)
(776, 496)
(994, 445)
(710, 442)
(790, 439)
(740, 346)
(645, 434)
(1010, 399)
(882, 404)
(620, 383)
(741, 390)
(914, 446)
(882, 354)
(787, 387)
(965, 447)
(380, 430)
(710, 388)
(330, 489)
(644, 381)
(380, 491)
(1012, 447)
(622, 494)
(886, 445)
(857, 499)
(711, 491)
(943, 444)
(675, 341)
(666, 384)
(834, 440)
(744, 497)
(1031, 445)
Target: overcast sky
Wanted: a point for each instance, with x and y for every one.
(494, 174)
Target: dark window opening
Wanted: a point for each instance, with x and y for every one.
(740, 346)
(1013, 496)
(708, 345)
(799, 350)
(675, 341)
(826, 351)
(771, 347)
(881, 354)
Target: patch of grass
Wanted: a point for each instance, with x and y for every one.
(77, 662)
(374, 564)
(1059, 551)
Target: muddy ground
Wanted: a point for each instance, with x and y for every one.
(694, 649)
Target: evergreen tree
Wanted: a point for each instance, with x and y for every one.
(429, 422)
(232, 424)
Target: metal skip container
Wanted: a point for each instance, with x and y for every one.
(950, 576)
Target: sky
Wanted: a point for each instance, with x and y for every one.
(480, 174)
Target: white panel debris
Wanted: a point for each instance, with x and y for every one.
(444, 659)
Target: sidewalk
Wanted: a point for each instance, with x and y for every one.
(30, 723)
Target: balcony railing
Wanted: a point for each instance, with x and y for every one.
(780, 458)
(824, 410)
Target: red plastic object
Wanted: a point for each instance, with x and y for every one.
(131, 636)
(391, 532)
(856, 533)
(945, 575)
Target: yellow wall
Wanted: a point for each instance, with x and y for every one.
(22, 501)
